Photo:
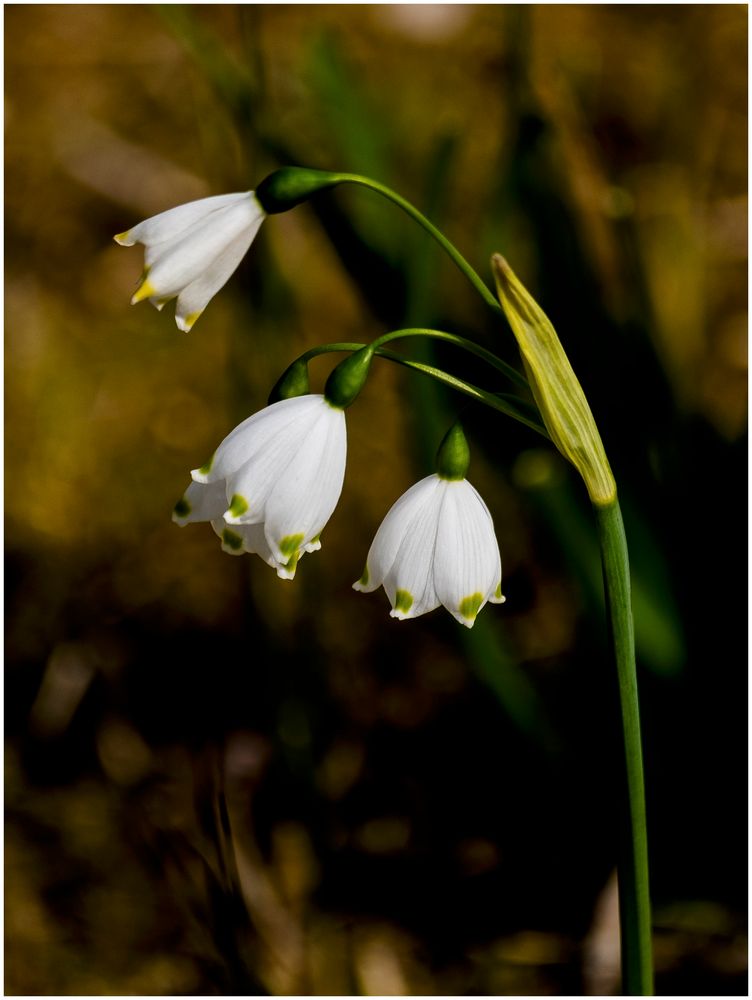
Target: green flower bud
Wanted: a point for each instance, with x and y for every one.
(557, 392)
(289, 186)
(453, 456)
(292, 382)
(348, 378)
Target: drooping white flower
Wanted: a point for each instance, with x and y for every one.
(192, 250)
(273, 483)
(436, 546)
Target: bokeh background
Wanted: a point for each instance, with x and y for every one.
(218, 782)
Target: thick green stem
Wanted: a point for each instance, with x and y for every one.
(634, 897)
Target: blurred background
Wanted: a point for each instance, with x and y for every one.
(218, 782)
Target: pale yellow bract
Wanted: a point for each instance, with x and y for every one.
(561, 401)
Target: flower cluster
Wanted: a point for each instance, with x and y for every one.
(275, 480)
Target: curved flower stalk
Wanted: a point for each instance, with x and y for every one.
(273, 483)
(192, 250)
(437, 545)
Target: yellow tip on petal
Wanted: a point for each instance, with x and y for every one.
(184, 323)
(124, 239)
(145, 291)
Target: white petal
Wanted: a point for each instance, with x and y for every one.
(167, 225)
(307, 490)
(175, 263)
(397, 523)
(159, 304)
(250, 486)
(240, 538)
(467, 565)
(495, 596)
(200, 503)
(232, 540)
(195, 297)
(409, 583)
(254, 434)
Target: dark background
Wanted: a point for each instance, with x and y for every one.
(408, 808)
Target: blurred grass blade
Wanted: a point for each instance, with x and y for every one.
(359, 134)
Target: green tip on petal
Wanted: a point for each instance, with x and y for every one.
(182, 508)
(470, 606)
(206, 467)
(290, 549)
(498, 596)
(363, 581)
(231, 541)
(292, 564)
(238, 505)
(290, 545)
(403, 601)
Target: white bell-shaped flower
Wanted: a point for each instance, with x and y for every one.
(192, 250)
(436, 546)
(274, 482)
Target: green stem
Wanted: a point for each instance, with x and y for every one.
(474, 278)
(497, 401)
(502, 403)
(634, 898)
(464, 343)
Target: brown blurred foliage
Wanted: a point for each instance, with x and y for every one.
(192, 744)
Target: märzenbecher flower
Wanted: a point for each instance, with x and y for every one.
(436, 546)
(274, 482)
(192, 250)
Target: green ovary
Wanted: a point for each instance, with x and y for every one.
(231, 540)
(403, 601)
(470, 606)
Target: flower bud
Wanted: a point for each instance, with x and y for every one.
(559, 395)
(348, 378)
(453, 456)
(292, 382)
(289, 186)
